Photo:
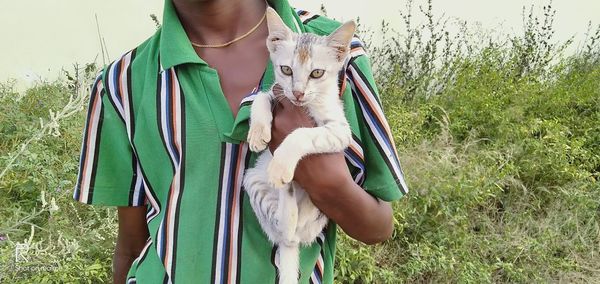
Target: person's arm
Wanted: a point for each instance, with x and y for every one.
(326, 179)
(108, 172)
(328, 182)
(131, 238)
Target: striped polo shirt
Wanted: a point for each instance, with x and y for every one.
(160, 134)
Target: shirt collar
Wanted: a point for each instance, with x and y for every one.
(175, 47)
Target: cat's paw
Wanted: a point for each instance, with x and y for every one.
(259, 136)
(280, 173)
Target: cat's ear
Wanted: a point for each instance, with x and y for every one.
(340, 39)
(278, 31)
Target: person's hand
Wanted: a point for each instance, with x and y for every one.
(318, 171)
(286, 118)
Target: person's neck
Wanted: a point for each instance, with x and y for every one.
(218, 21)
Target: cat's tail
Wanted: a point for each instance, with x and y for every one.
(289, 261)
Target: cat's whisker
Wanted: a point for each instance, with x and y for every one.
(279, 98)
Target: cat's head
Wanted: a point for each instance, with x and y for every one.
(306, 65)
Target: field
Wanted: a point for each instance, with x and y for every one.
(499, 136)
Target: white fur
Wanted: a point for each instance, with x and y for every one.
(284, 210)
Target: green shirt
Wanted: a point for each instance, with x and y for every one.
(160, 134)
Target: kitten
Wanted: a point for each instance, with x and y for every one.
(306, 69)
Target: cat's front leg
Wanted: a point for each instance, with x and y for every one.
(261, 117)
(304, 141)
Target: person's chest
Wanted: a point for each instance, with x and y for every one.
(239, 70)
(192, 108)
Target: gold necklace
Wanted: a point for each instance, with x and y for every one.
(233, 40)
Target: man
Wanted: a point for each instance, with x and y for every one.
(165, 142)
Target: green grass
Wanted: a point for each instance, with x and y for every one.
(500, 143)
(504, 184)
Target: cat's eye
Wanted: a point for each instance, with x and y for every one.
(286, 70)
(317, 73)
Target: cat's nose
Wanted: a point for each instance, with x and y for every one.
(299, 95)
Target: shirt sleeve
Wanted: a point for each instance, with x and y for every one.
(109, 173)
(375, 150)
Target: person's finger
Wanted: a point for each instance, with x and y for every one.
(277, 90)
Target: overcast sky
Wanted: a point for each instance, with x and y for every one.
(40, 37)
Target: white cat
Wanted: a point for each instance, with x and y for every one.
(306, 68)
